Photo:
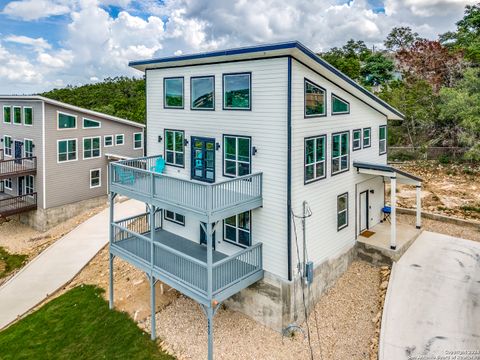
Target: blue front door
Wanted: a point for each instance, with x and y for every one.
(203, 159)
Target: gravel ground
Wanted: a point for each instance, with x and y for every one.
(347, 315)
(465, 232)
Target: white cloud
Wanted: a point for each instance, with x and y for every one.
(59, 59)
(38, 43)
(17, 69)
(36, 9)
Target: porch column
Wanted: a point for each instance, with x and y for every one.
(210, 312)
(393, 214)
(152, 235)
(419, 206)
(209, 308)
(111, 199)
(153, 322)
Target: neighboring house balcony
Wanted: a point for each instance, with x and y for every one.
(15, 167)
(11, 205)
(199, 271)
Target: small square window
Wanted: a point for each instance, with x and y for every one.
(357, 139)
(382, 139)
(138, 141)
(366, 137)
(95, 178)
(119, 139)
(108, 140)
(174, 217)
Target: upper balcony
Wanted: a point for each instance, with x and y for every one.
(208, 202)
(17, 167)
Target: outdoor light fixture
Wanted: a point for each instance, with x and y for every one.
(185, 142)
(254, 150)
(160, 138)
(217, 146)
(372, 191)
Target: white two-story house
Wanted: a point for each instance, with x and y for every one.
(275, 162)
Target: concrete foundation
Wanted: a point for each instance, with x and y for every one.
(278, 303)
(44, 219)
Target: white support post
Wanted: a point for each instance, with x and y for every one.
(111, 235)
(209, 309)
(393, 214)
(210, 313)
(419, 206)
(153, 322)
(110, 288)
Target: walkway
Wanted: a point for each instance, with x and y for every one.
(58, 264)
(433, 301)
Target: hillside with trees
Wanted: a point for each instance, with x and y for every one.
(435, 83)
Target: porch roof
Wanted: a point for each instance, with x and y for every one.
(387, 171)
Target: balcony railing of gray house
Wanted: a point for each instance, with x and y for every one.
(198, 271)
(15, 167)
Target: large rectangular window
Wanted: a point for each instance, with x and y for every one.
(173, 93)
(340, 152)
(91, 147)
(357, 139)
(366, 137)
(315, 100)
(342, 211)
(29, 184)
(315, 153)
(28, 148)
(7, 140)
(174, 147)
(237, 91)
(17, 115)
(138, 140)
(67, 150)
(236, 155)
(237, 229)
(28, 116)
(66, 121)
(174, 217)
(339, 106)
(382, 139)
(7, 114)
(95, 178)
(202, 93)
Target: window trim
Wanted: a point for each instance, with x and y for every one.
(249, 73)
(325, 112)
(353, 140)
(369, 137)
(305, 181)
(342, 100)
(165, 92)
(99, 147)
(115, 138)
(11, 114)
(68, 114)
(380, 140)
(104, 142)
(76, 151)
(346, 211)
(348, 153)
(191, 92)
(5, 183)
(165, 147)
(25, 148)
(236, 228)
(88, 128)
(175, 221)
(99, 178)
(23, 114)
(4, 145)
(141, 141)
(236, 161)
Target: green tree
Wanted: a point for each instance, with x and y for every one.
(467, 36)
(400, 38)
(459, 115)
(350, 66)
(377, 69)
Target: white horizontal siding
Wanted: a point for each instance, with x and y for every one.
(266, 123)
(323, 239)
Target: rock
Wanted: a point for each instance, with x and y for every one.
(384, 285)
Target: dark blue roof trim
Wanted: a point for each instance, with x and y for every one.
(271, 47)
(380, 167)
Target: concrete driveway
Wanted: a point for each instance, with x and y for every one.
(432, 307)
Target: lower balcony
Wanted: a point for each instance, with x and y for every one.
(12, 205)
(17, 167)
(182, 263)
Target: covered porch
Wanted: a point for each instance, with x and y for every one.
(389, 234)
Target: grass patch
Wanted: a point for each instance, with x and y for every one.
(472, 208)
(78, 325)
(10, 262)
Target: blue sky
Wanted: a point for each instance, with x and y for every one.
(53, 43)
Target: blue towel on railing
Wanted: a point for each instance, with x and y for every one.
(159, 166)
(387, 210)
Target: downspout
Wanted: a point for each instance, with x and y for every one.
(289, 169)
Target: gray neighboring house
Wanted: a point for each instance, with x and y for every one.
(54, 157)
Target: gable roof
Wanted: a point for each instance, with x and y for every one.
(294, 49)
(72, 107)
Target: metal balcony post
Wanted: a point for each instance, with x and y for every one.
(112, 257)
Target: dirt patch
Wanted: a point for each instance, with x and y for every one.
(448, 189)
(377, 320)
(346, 316)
